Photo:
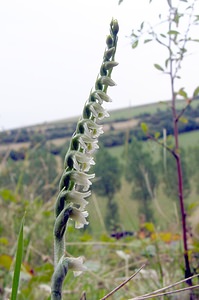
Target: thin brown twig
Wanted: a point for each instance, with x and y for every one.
(183, 110)
(122, 284)
(164, 288)
(166, 293)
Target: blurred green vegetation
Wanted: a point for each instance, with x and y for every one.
(29, 176)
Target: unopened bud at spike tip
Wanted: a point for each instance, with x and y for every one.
(114, 27)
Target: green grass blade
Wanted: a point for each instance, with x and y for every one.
(17, 269)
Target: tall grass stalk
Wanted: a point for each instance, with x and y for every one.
(18, 262)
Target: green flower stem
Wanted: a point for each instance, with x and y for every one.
(58, 279)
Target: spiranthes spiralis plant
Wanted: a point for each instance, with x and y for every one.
(75, 180)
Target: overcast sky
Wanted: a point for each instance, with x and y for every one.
(51, 52)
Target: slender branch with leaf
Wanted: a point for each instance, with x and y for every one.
(175, 39)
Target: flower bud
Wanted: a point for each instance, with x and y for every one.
(114, 27)
(109, 41)
(105, 80)
(109, 53)
(103, 96)
(110, 64)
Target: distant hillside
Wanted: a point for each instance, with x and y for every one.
(121, 122)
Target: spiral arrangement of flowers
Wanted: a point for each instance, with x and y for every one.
(75, 181)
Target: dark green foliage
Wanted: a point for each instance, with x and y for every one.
(142, 172)
(108, 174)
(35, 174)
(170, 179)
(163, 119)
(193, 165)
(112, 218)
(108, 182)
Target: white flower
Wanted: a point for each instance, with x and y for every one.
(76, 265)
(91, 147)
(81, 178)
(122, 254)
(88, 144)
(78, 198)
(84, 159)
(93, 129)
(86, 137)
(98, 111)
(103, 96)
(45, 288)
(79, 217)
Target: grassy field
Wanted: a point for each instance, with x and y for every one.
(134, 111)
(188, 139)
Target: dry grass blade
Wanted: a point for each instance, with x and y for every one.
(157, 292)
(122, 284)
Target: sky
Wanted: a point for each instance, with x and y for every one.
(51, 52)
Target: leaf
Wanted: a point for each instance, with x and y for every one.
(162, 35)
(157, 135)
(196, 92)
(158, 67)
(182, 93)
(18, 261)
(5, 261)
(8, 195)
(147, 41)
(135, 43)
(183, 50)
(144, 127)
(173, 32)
(3, 241)
(166, 62)
(183, 120)
(192, 206)
(149, 226)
